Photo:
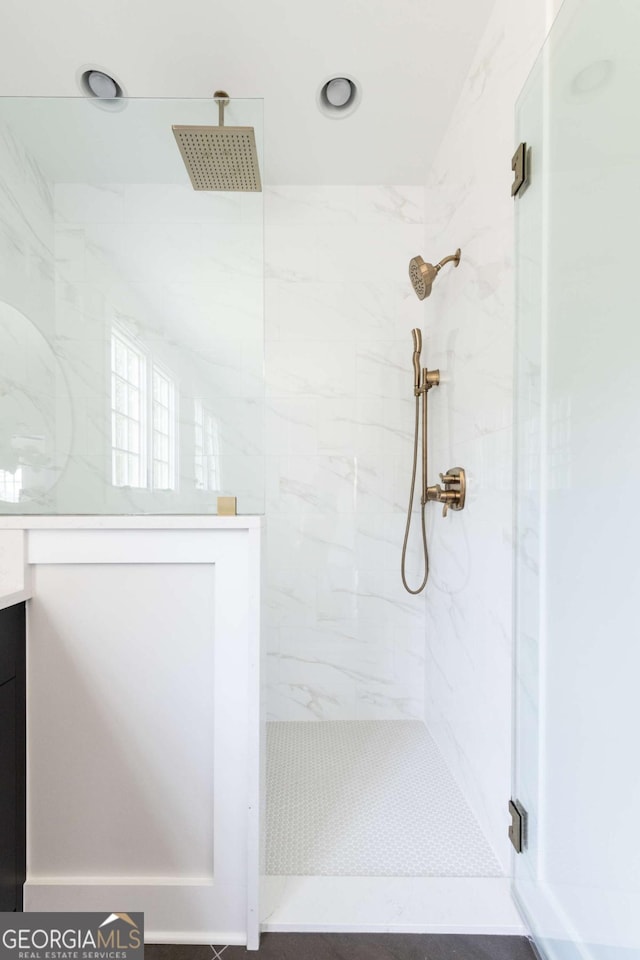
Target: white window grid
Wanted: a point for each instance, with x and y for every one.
(10, 485)
(163, 430)
(128, 413)
(208, 474)
(143, 420)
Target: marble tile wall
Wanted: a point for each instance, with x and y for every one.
(182, 275)
(345, 641)
(469, 326)
(28, 449)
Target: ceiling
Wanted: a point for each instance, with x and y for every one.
(410, 58)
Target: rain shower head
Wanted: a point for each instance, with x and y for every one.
(220, 158)
(423, 274)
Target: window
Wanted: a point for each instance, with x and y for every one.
(142, 420)
(10, 485)
(162, 421)
(207, 449)
(128, 402)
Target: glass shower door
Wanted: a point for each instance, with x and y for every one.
(577, 763)
(131, 307)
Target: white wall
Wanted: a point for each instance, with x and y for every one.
(469, 323)
(345, 640)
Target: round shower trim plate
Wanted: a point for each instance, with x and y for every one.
(113, 105)
(352, 104)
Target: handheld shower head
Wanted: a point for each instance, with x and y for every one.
(423, 274)
(417, 350)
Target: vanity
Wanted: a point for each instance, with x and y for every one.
(12, 754)
(144, 717)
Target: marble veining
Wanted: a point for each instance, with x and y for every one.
(344, 641)
(468, 326)
(180, 276)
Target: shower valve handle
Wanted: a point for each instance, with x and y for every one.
(453, 493)
(449, 499)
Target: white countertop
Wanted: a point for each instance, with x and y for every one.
(10, 599)
(140, 522)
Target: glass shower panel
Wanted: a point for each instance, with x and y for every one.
(577, 771)
(131, 313)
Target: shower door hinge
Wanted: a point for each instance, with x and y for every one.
(520, 167)
(518, 828)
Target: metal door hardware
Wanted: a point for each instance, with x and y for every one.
(227, 506)
(518, 828)
(520, 167)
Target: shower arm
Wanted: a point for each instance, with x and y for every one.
(221, 97)
(450, 259)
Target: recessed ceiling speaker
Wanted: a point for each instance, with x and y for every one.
(101, 88)
(338, 96)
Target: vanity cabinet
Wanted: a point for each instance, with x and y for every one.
(12, 757)
(145, 722)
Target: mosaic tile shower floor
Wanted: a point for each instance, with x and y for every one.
(367, 798)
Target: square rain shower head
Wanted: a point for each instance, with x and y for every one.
(220, 158)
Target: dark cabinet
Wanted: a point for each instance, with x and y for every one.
(12, 757)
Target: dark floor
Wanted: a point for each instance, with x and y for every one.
(356, 946)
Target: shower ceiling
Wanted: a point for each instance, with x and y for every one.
(402, 52)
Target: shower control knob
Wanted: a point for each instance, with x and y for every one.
(452, 477)
(453, 493)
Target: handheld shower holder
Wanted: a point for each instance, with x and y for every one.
(429, 379)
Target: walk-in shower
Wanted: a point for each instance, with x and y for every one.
(452, 493)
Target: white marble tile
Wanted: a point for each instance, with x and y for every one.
(366, 254)
(290, 253)
(468, 325)
(148, 251)
(291, 426)
(337, 426)
(172, 202)
(339, 386)
(391, 204)
(324, 694)
(89, 203)
(316, 310)
(310, 205)
(70, 254)
(383, 369)
(291, 597)
(181, 274)
(231, 252)
(240, 423)
(309, 369)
